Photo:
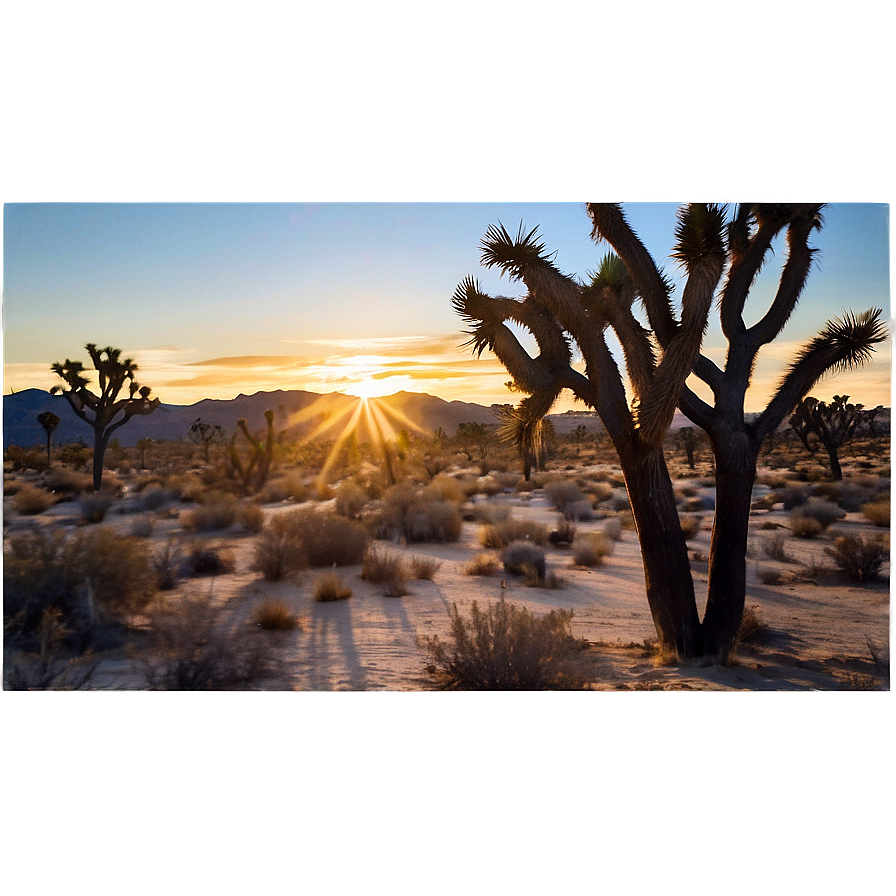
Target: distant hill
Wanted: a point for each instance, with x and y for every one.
(301, 413)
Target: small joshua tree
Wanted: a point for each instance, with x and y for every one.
(832, 424)
(142, 445)
(49, 421)
(687, 438)
(102, 410)
(251, 471)
(205, 434)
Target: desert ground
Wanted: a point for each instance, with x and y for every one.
(814, 628)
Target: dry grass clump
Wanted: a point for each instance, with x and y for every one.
(168, 562)
(752, 628)
(592, 549)
(563, 535)
(89, 576)
(425, 568)
(499, 535)
(690, 526)
(523, 558)
(775, 548)
(277, 555)
(325, 539)
(250, 516)
(274, 614)
(94, 507)
(445, 488)
(417, 516)
(382, 567)
(193, 649)
(154, 497)
(30, 500)
(613, 528)
(877, 512)
(525, 485)
(207, 560)
(142, 527)
(63, 481)
(351, 500)
(283, 488)
(768, 575)
(859, 557)
(217, 512)
(506, 647)
(812, 518)
(490, 514)
(482, 565)
(562, 493)
(330, 587)
(600, 492)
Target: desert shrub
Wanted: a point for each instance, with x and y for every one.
(51, 666)
(445, 488)
(155, 497)
(564, 534)
(277, 554)
(250, 516)
(283, 488)
(274, 614)
(326, 538)
(877, 512)
(63, 481)
(30, 500)
(94, 507)
(620, 501)
(89, 576)
(805, 526)
(775, 548)
(142, 527)
(194, 650)
(690, 526)
(859, 557)
(217, 512)
(499, 535)
(768, 575)
(351, 499)
(27, 458)
(579, 510)
(813, 517)
(207, 560)
(382, 567)
(330, 586)
(417, 516)
(488, 513)
(792, 496)
(525, 485)
(613, 529)
(592, 549)
(482, 565)
(506, 648)
(562, 493)
(168, 563)
(600, 492)
(523, 558)
(752, 628)
(425, 567)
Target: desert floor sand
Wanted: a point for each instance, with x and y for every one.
(817, 635)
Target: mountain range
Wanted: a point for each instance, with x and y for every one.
(298, 412)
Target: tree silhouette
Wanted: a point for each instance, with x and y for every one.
(832, 424)
(205, 434)
(102, 410)
(49, 421)
(559, 309)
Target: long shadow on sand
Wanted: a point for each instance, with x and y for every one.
(329, 621)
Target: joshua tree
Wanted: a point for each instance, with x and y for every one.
(687, 438)
(49, 421)
(579, 437)
(832, 424)
(558, 309)
(204, 434)
(252, 471)
(142, 445)
(101, 410)
(469, 434)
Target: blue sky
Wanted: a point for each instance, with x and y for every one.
(217, 299)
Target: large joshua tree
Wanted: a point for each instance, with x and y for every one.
(102, 410)
(720, 255)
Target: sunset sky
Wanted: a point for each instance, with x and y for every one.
(215, 300)
(148, 150)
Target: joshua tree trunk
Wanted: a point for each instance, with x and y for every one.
(667, 573)
(736, 454)
(101, 440)
(836, 472)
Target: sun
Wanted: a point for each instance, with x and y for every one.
(366, 389)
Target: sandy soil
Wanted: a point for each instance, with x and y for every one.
(817, 630)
